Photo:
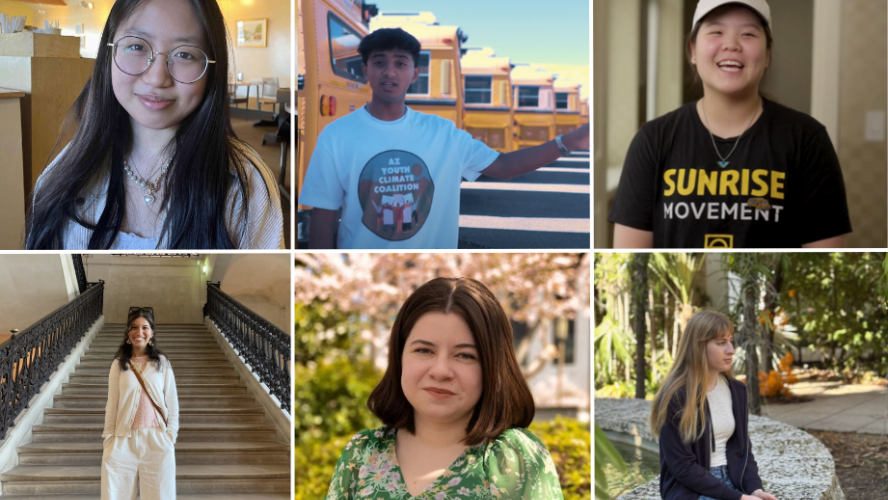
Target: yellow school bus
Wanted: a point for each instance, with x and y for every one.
(488, 98)
(331, 77)
(534, 98)
(438, 90)
(567, 106)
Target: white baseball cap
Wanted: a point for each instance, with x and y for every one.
(760, 6)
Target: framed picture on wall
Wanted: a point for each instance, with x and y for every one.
(252, 33)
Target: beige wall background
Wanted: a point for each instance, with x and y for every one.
(176, 286)
(31, 286)
(863, 87)
(171, 285)
(255, 63)
(260, 282)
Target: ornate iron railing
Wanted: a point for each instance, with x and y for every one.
(264, 347)
(79, 272)
(30, 357)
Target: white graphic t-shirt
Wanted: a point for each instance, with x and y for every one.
(397, 182)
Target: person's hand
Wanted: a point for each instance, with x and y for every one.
(577, 139)
(762, 495)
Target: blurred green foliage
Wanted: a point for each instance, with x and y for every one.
(334, 376)
(570, 444)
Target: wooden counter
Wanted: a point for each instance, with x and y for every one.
(12, 208)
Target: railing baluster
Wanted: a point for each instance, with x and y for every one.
(264, 347)
(29, 358)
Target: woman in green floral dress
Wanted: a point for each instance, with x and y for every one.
(455, 408)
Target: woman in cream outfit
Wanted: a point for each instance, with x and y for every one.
(140, 426)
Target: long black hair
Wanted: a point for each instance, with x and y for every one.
(208, 157)
(125, 351)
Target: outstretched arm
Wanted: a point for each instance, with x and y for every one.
(520, 162)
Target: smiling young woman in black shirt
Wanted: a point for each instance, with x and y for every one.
(774, 182)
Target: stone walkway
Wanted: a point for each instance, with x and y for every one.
(836, 407)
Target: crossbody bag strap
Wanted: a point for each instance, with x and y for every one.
(142, 383)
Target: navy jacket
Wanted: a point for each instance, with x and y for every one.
(684, 467)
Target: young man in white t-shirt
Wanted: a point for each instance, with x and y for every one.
(364, 159)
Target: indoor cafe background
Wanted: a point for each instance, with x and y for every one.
(828, 60)
(51, 84)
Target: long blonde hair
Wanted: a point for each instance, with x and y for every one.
(690, 371)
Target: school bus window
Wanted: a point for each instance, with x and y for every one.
(561, 100)
(528, 96)
(479, 89)
(344, 55)
(421, 85)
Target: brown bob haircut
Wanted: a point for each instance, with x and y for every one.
(506, 401)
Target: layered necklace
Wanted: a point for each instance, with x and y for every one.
(145, 184)
(724, 159)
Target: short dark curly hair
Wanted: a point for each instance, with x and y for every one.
(389, 39)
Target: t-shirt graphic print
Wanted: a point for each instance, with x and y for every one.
(397, 182)
(779, 186)
(396, 191)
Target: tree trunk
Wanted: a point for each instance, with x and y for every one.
(750, 300)
(773, 295)
(652, 315)
(665, 322)
(639, 264)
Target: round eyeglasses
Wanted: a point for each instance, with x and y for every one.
(134, 55)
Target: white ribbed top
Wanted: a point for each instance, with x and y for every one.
(722, 420)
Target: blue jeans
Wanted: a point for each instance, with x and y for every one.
(721, 473)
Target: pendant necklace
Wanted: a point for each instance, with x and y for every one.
(724, 159)
(145, 184)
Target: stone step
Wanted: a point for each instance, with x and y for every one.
(48, 480)
(95, 378)
(107, 359)
(179, 496)
(86, 432)
(184, 390)
(180, 349)
(186, 415)
(185, 369)
(211, 364)
(64, 401)
(226, 452)
(162, 343)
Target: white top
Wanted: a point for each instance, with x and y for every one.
(263, 230)
(361, 163)
(723, 424)
(124, 392)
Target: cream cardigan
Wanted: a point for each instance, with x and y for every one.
(124, 392)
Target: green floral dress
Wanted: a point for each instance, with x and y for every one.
(515, 466)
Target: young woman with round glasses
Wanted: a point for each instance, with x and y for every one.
(733, 169)
(154, 162)
(455, 409)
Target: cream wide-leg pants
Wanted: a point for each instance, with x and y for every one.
(147, 454)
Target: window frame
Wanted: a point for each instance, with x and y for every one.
(518, 97)
(566, 100)
(428, 76)
(331, 17)
(489, 90)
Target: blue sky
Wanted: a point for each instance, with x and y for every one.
(551, 32)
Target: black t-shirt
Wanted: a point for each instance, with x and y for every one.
(781, 188)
